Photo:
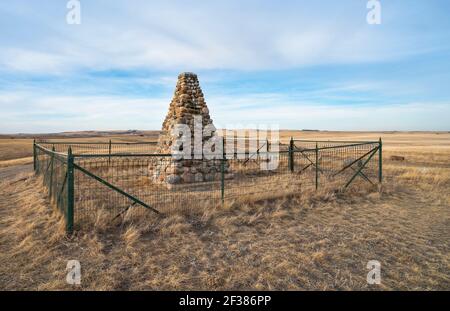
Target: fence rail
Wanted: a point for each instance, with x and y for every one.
(101, 181)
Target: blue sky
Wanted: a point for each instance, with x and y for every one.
(300, 64)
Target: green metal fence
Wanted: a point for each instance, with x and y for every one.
(56, 170)
(100, 148)
(98, 182)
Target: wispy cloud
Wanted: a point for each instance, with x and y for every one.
(57, 113)
(236, 35)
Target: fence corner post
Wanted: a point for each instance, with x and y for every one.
(34, 155)
(109, 152)
(291, 154)
(52, 160)
(70, 192)
(222, 174)
(317, 166)
(380, 161)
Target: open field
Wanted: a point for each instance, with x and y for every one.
(319, 240)
(15, 147)
(20, 146)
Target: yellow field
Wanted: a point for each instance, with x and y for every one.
(314, 240)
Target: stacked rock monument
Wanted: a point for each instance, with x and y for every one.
(188, 107)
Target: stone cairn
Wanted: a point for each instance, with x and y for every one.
(188, 103)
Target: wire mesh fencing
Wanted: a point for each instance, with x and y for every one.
(52, 166)
(100, 182)
(100, 148)
(338, 162)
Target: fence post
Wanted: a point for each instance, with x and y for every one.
(222, 174)
(291, 154)
(317, 167)
(34, 155)
(380, 161)
(70, 192)
(109, 153)
(51, 173)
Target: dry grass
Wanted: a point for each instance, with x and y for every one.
(13, 148)
(13, 162)
(317, 240)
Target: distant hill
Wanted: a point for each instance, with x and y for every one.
(83, 134)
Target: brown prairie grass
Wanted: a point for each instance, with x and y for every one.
(12, 148)
(19, 161)
(311, 241)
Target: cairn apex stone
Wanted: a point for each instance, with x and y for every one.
(187, 75)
